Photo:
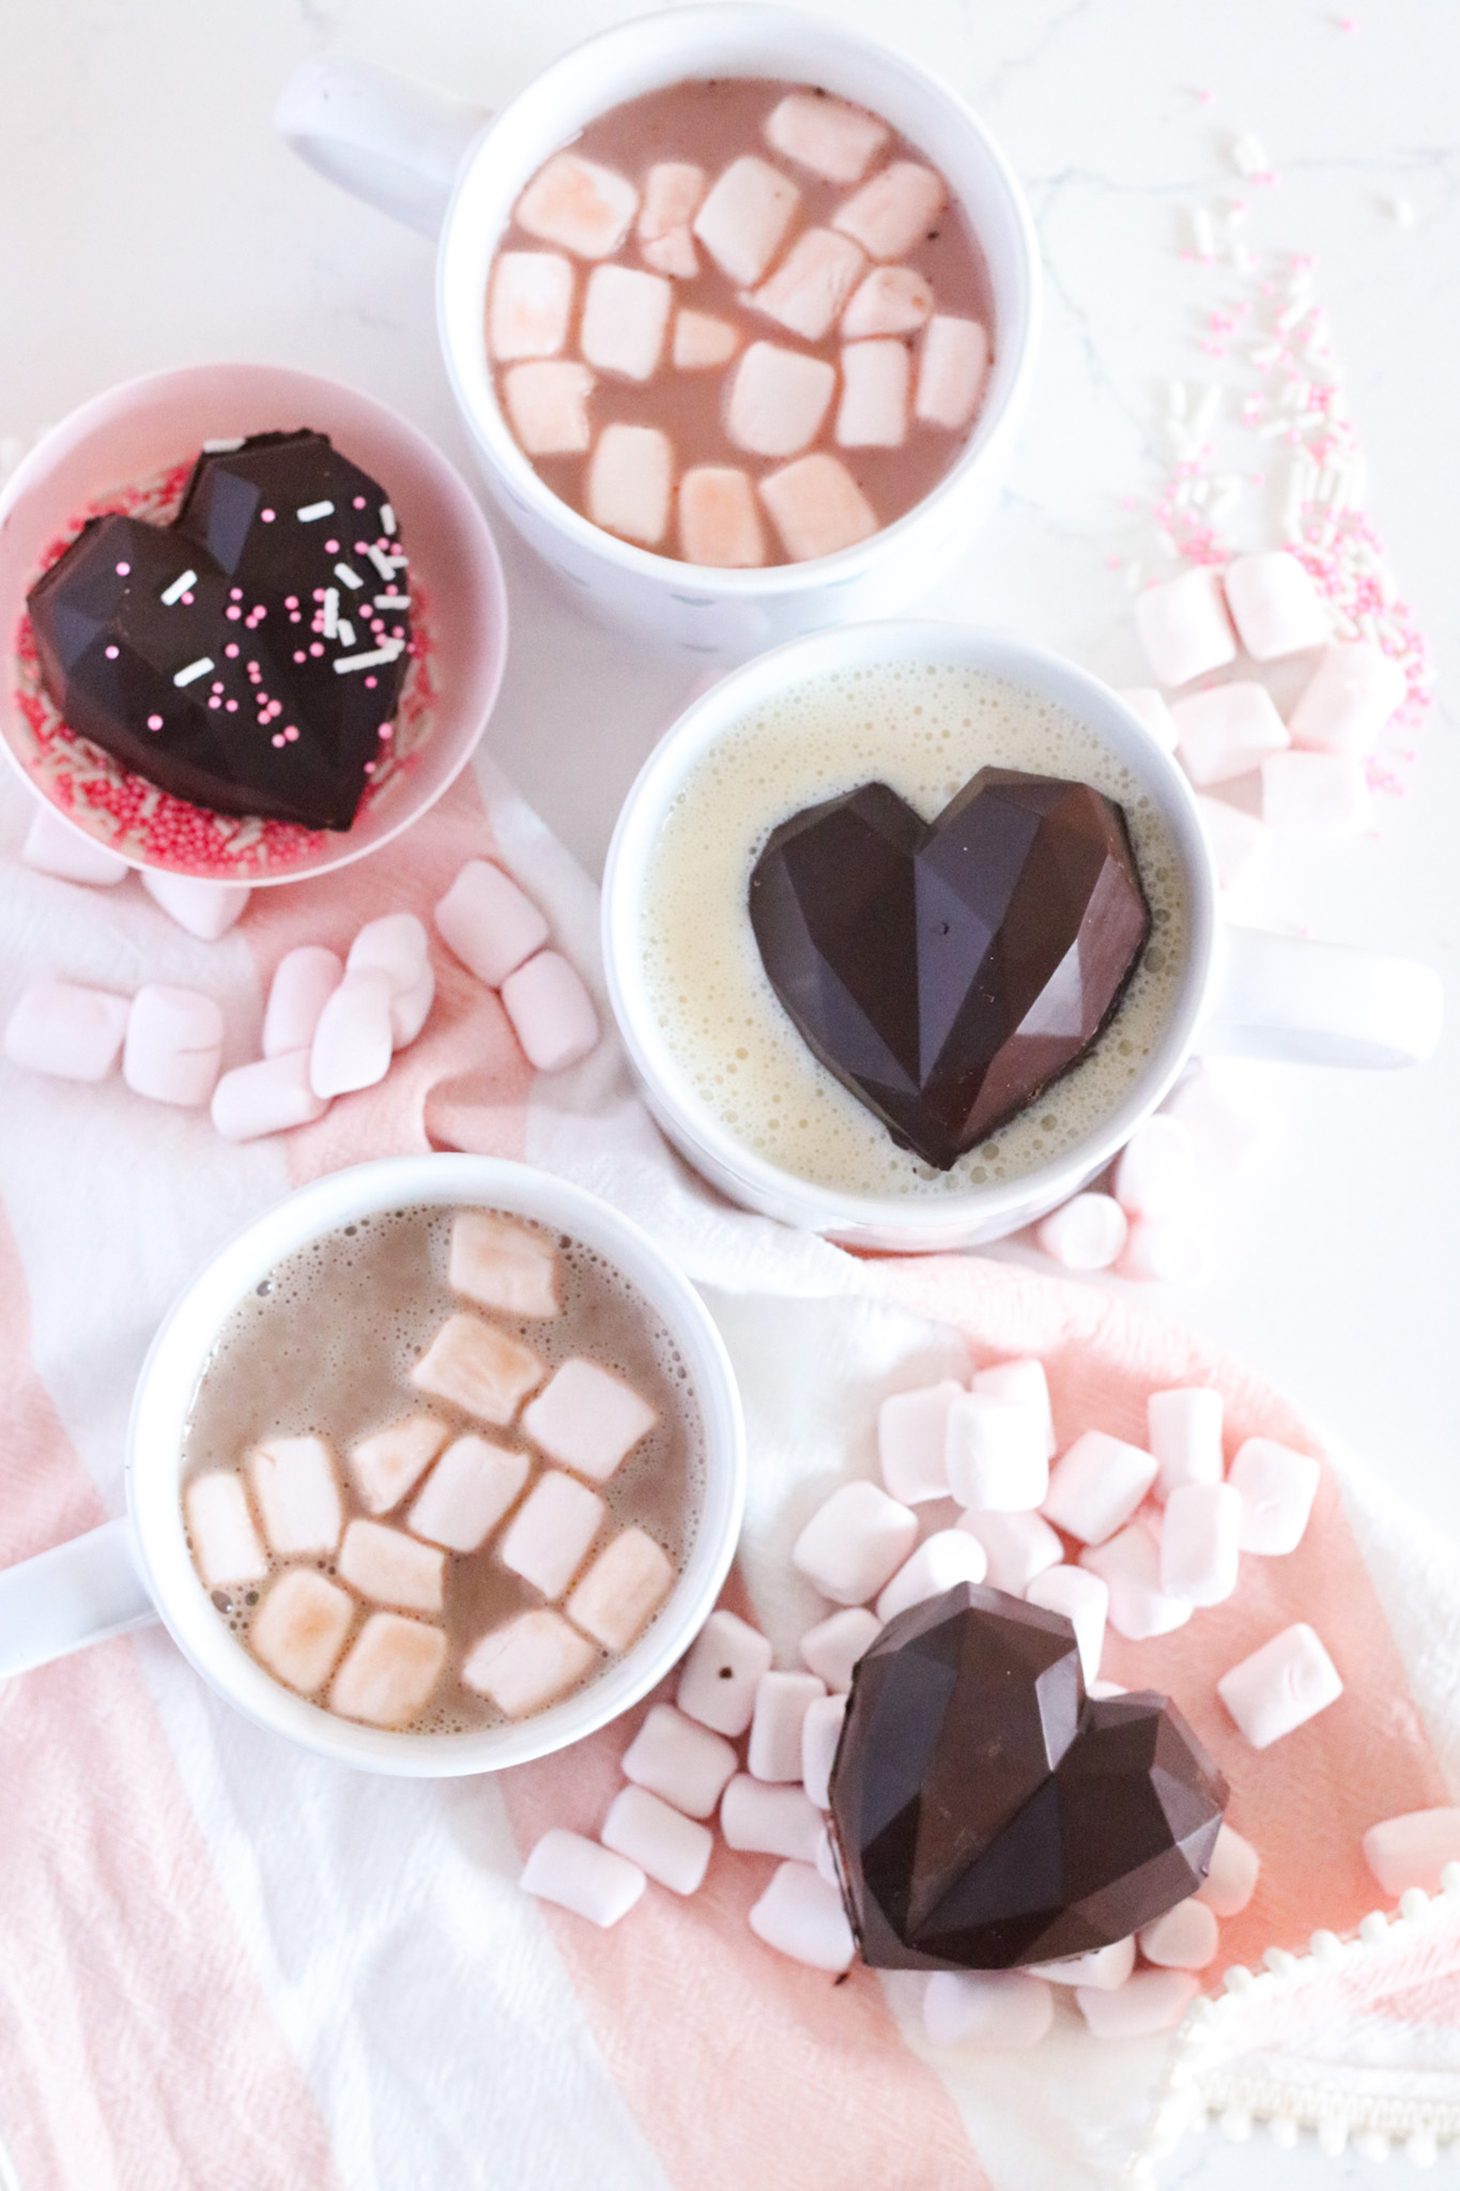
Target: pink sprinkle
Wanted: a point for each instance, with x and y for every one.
(1348, 22)
(332, 547)
(154, 722)
(370, 768)
(291, 735)
(277, 739)
(299, 654)
(124, 570)
(385, 728)
(233, 615)
(235, 593)
(360, 548)
(232, 648)
(291, 600)
(370, 683)
(111, 654)
(215, 700)
(316, 648)
(359, 502)
(1205, 98)
(267, 516)
(232, 706)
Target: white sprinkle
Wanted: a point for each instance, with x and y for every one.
(387, 653)
(331, 611)
(384, 563)
(387, 519)
(346, 632)
(1203, 418)
(200, 668)
(1203, 235)
(1294, 314)
(1226, 494)
(1248, 156)
(178, 588)
(347, 577)
(221, 446)
(392, 600)
(312, 510)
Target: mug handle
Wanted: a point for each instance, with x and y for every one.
(75, 1594)
(1286, 998)
(392, 141)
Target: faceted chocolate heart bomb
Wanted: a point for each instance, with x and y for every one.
(987, 1814)
(248, 657)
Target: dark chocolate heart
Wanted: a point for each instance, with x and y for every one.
(246, 656)
(987, 1813)
(947, 971)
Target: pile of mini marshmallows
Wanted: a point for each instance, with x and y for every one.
(330, 1026)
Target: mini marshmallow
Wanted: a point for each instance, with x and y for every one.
(1239, 842)
(205, 909)
(765, 1819)
(501, 1263)
(1229, 1122)
(832, 1648)
(551, 1012)
(579, 204)
(1096, 1485)
(1185, 1938)
(1199, 1542)
(801, 1916)
(875, 382)
(54, 847)
(812, 283)
(390, 1671)
(582, 1876)
(1129, 1564)
(721, 1673)
(999, 2009)
(997, 1453)
(298, 1494)
(467, 1493)
(1024, 1381)
(1169, 1251)
(530, 305)
(777, 400)
(893, 211)
(782, 1701)
(71, 1032)
(685, 1763)
(719, 521)
(303, 983)
(411, 1008)
(488, 923)
(1151, 2001)
(395, 945)
(1278, 1487)
(477, 1368)
(821, 1731)
(673, 254)
(173, 1045)
(1183, 627)
(834, 140)
(1227, 731)
(1354, 691)
(300, 1628)
(1018, 1547)
(1317, 795)
(529, 1662)
(854, 1543)
(673, 192)
(631, 481)
(268, 1097)
(388, 1463)
(949, 1556)
(912, 1433)
(664, 1843)
(1280, 1686)
(625, 318)
(893, 300)
(1275, 605)
(547, 402)
(953, 364)
(1086, 1233)
(1152, 713)
(1184, 1431)
(353, 1043)
(588, 1419)
(225, 1542)
(701, 341)
(744, 218)
(549, 1535)
(1231, 1881)
(1156, 1170)
(817, 507)
(622, 1590)
(1413, 1850)
(1084, 1599)
(387, 1565)
(1102, 1970)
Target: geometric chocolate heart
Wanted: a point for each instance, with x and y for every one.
(246, 656)
(986, 1813)
(946, 972)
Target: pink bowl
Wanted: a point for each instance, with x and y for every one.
(139, 429)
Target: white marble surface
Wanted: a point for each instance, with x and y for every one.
(152, 219)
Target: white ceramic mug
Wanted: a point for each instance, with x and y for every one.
(446, 167)
(1242, 991)
(139, 1569)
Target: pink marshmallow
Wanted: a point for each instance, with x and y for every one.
(912, 1435)
(300, 1628)
(1199, 1542)
(1231, 1881)
(701, 341)
(268, 1097)
(817, 507)
(1413, 1850)
(1096, 1485)
(854, 1543)
(206, 909)
(551, 1012)
(530, 305)
(833, 1647)
(1084, 1600)
(833, 139)
(388, 1463)
(1239, 842)
(1317, 795)
(588, 1419)
(874, 405)
(1227, 731)
(174, 1045)
(1183, 627)
(684, 1763)
(998, 1453)
(1185, 1938)
(625, 319)
(953, 365)
(1152, 713)
(71, 1032)
(1275, 605)
(529, 1662)
(992, 2008)
(1151, 2001)
(547, 402)
(396, 946)
(395, 1569)
(631, 481)
(584, 207)
(1018, 1547)
(893, 300)
(777, 400)
(623, 1590)
(1280, 1686)
(1103, 1970)
(582, 1876)
(488, 923)
(1129, 1564)
(411, 1008)
(821, 1731)
(468, 1492)
(673, 193)
(1086, 1233)
(664, 1843)
(224, 1540)
(297, 1493)
(502, 1264)
(745, 217)
(764, 1818)
(1184, 1431)
(949, 1556)
(1354, 691)
(353, 1042)
(889, 214)
(802, 1917)
(548, 1538)
(719, 519)
(1168, 1251)
(1023, 1381)
(389, 1671)
(1156, 1171)
(782, 1701)
(55, 847)
(721, 1673)
(1278, 1487)
(812, 283)
(303, 983)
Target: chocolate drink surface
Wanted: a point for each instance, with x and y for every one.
(441, 1469)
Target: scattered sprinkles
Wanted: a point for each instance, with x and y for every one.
(177, 589)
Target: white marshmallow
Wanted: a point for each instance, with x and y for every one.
(673, 193)
(548, 1538)
(55, 847)
(529, 1662)
(812, 283)
(387, 1463)
(817, 507)
(821, 1731)
(953, 365)
(205, 909)
(1316, 795)
(893, 300)
(673, 254)
(396, 946)
(389, 1671)
(1275, 605)
(551, 1012)
(721, 1673)
(225, 1542)
(719, 521)
(622, 1590)
(582, 1876)
(1231, 1881)
(875, 383)
(832, 1648)
(664, 1843)
(530, 306)
(777, 400)
(499, 1263)
(854, 1543)
(1227, 731)
(1240, 843)
(1183, 627)
(685, 1763)
(1000, 2009)
(889, 214)
(1129, 1564)
(1230, 1124)
(625, 318)
(303, 983)
(1086, 1233)
(949, 1556)
(1280, 1686)
(488, 923)
(1413, 1850)
(1102, 1970)
(353, 1043)
(411, 1008)
(831, 138)
(782, 1701)
(1018, 1547)
(997, 1453)
(387, 1565)
(1096, 1485)
(1354, 691)
(547, 403)
(767, 1819)
(1152, 713)
(1155, 1175)
(1199, 1542)
(912, 1433)
(72, 1032)
(588, 1419)
(1022, 1380)
(173, 1046)
(1278, 1487)
(268, 1097)
(701, 340)
(467, 1493)
(297, 1492)
(1184, 1431)
(745, 216)
(579, 204)
(1171, 1251)
(1185, 1938)
(479, 1369)
(801, 1916)
(1084, 1599)
(631, 481)
(1151, 2001)
(300, 1628)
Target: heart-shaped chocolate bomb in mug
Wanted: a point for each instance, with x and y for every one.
(249, 656)
(947, 971)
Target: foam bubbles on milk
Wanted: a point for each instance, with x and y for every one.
(924, 729)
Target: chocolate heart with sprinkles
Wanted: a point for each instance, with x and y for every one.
(249, 657)
(947, 971)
